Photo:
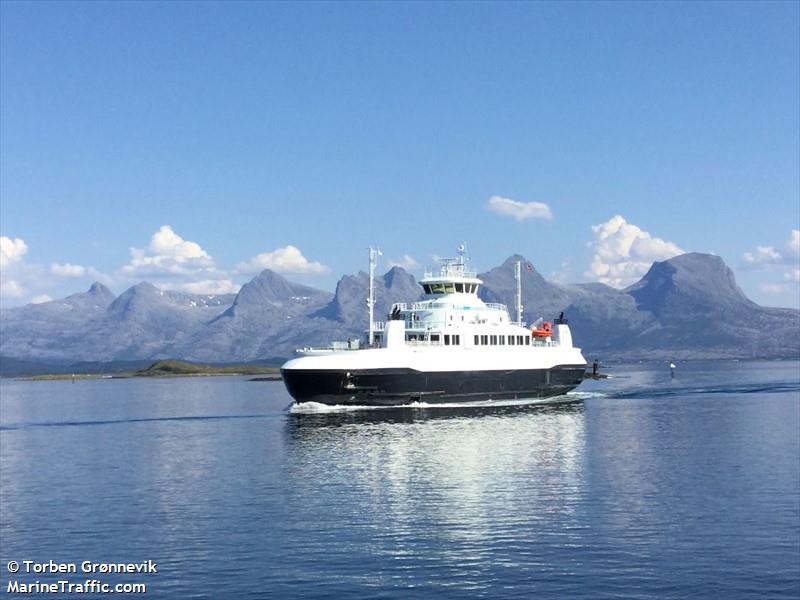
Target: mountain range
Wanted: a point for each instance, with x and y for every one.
(686, 307)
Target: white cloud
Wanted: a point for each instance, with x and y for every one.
(769, 258)
(12, 267)
(209, 286)
(11, 251)
(762, 255)
(68, 270)
(166, 243)
(789, 254)
(406, 262)
(624, 252)
(794, 241)
(11, 288)
(288, 259)
(772, 288)
(169, 256)
(20, 278)
(519, 210)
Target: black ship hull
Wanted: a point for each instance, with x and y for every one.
(391, 387)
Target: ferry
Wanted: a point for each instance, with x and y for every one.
(450, 346)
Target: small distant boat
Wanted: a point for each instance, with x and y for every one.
(448, 347)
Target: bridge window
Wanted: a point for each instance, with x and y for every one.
(427, 288)
(477, 340)
(527, 341)
(434, 338)
(484, 340)
(502, 340)
(511, 340)
(459, 287)
(456, 340)
(493, 340)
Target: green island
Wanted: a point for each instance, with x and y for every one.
(173, 368)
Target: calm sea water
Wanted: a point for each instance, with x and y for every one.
(640, 487)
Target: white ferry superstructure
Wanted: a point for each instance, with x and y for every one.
(450, 346)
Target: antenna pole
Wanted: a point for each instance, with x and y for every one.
(518, 277)
(373, 260)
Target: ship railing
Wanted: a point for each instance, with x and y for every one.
(412, 306)
(450, 271)
(495, 306)
(404, 306)
(352, 344)
(427, 324)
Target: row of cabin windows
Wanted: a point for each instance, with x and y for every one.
(502, 340)
(450, 288)
(435, 338)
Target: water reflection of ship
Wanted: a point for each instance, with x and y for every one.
(477, 472)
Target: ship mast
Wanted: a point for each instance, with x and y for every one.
(518, 277)
(374, 253)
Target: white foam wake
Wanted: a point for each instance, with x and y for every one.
(317, 407)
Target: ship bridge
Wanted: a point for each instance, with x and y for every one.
(452, 278)
(451, 302)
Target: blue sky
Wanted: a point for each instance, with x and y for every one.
(191, 144)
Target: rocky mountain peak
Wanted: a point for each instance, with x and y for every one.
(689, 283)
(540, 298)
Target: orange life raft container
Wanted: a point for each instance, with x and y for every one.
(546, 330)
